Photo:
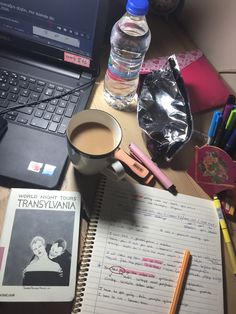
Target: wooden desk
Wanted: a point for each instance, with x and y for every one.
(166, 39)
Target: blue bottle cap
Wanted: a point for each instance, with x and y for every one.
(137, 7)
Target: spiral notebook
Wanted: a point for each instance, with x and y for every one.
(134, 249)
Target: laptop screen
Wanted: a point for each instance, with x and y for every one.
(66, 29)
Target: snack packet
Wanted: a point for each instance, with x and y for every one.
(164, 111)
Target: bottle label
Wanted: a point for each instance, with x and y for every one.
(121, 72)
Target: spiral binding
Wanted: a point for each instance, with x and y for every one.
(88, 247)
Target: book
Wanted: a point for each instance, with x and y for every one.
(134, 247)
(39, 246)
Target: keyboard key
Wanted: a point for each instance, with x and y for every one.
(66, 97)
(38, 113)
(59, 88)
(54, 102)
(34, 96)
(51, 86)
(13, 82)
(27, 110)
(3, 80)
(65, 121)
(23, 78)
(9, 117)
(38, 89)
(3, 94)
(74, 99)
(22, 120)
(3, 103)
(62, 103)
(77, 93)
(53, 126)
(56, 118)
(60, 111)
(15, 90)
(57, 93)
(25, 92)
(12, 114)
(42, 106)
(5, 72)
(13, 97)
(41, 83)
(51, 108)
(31, 80)
(69, 110)
(39, 123)
(22, 100)
(62, 129)
(4, 86)
(14, 75)
(47, 116)
(24, 84)
(49, 92)
(44, 97)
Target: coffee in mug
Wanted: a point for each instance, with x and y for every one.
(93, 136)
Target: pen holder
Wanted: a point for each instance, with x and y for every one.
(213, 169)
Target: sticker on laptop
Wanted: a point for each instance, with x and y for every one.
(35, 166)
(72, 58)
(48, 169)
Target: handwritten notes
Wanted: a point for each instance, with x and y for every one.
(140, 238)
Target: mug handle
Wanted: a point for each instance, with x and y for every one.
(115, 171)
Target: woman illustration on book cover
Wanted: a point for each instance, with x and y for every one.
(41, 271)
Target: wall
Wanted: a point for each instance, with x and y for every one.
(115, 10)
(212, 26)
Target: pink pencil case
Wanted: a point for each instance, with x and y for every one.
(204, 85)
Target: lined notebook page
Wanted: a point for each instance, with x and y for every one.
(138, 248)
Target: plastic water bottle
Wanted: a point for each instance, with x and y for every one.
(130, 40)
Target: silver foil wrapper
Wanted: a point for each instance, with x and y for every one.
(164, 111)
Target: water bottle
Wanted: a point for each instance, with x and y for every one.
(130, 40)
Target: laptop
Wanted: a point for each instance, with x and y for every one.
(49, 60)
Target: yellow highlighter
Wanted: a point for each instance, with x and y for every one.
(226, 235)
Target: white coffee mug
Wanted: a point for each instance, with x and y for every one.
(93, 136)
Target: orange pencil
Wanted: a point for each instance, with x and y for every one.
(180, 281)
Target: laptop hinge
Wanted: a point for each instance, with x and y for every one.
(41, 65)
(86, 75)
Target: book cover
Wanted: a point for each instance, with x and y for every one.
(39, 246)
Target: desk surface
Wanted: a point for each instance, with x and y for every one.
(166, 39)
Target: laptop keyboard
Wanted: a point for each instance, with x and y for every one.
(52, 116)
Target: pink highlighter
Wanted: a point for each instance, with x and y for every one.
(156, 171)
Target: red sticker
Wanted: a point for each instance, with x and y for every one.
(35, 166)
(69, 57)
